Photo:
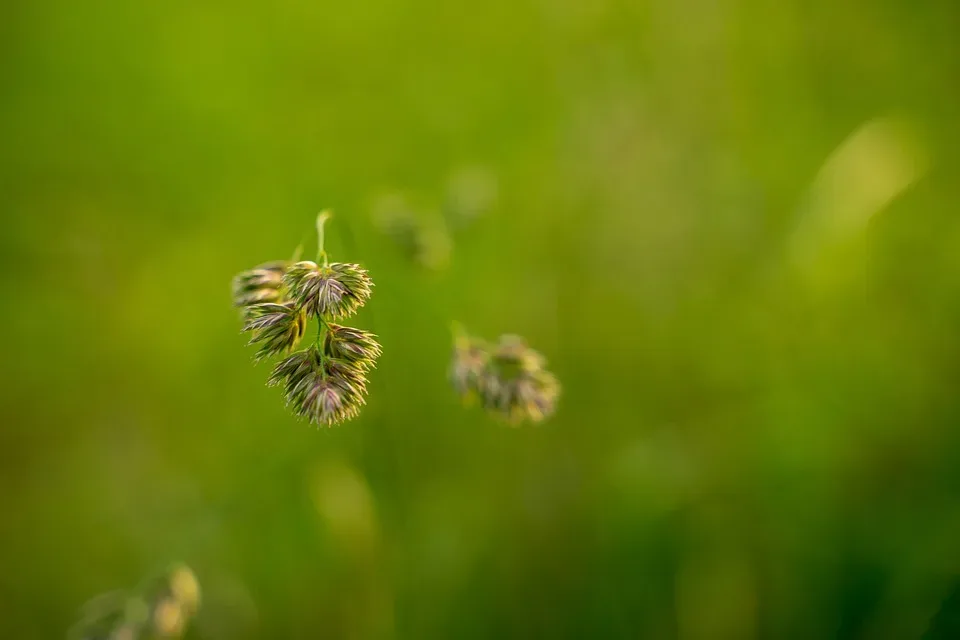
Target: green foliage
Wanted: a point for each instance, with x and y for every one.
(730, 225)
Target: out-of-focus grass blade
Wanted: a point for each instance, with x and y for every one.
(863, 175)
(945, 624)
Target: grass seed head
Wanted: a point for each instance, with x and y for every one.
(185, 588)
(322, 390)
(355, 346)
(509, 378)
(469, 369)
(160, 607)
(277, 328)
(263, 283)
(512, 356)
(529, 396)
(332, 291)
(168, 618)
(326, 382)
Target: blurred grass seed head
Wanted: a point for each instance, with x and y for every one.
(422, 235)
(263, 283)
(160, 608)
(509, 379)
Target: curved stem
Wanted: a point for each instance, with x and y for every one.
(322, 218)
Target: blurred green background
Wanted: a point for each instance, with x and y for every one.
(729, 225)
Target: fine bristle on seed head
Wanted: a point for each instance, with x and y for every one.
(277, 328)
(263, 283)
(332, 291)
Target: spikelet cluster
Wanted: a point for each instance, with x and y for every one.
(320, 388)
(332, 291)
(277, 328)
(354, 346)
(263, 283)
(326, 382)
(509, 379)
(161, 608)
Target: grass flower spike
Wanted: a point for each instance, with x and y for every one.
(263, 283)
(468, 371)
(277, 328)
(334, 291)
(323, 390)
(355, 346)
(527, 396)
(326, 382)
(510, 379)
(160, 607)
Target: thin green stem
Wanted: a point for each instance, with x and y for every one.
(322, 218)
(321, 333)
(323, 327)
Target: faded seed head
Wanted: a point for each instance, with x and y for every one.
(168, 618)
(185, 588)
(530, 396)
(469, 368)
(126, 632)
(510, 378)
(513, 356)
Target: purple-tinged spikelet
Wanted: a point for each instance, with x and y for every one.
(332, 291)
(326, 382)
(355, 346)
(324, 391)
(277, 328)
(263, 283)
(293, 367)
